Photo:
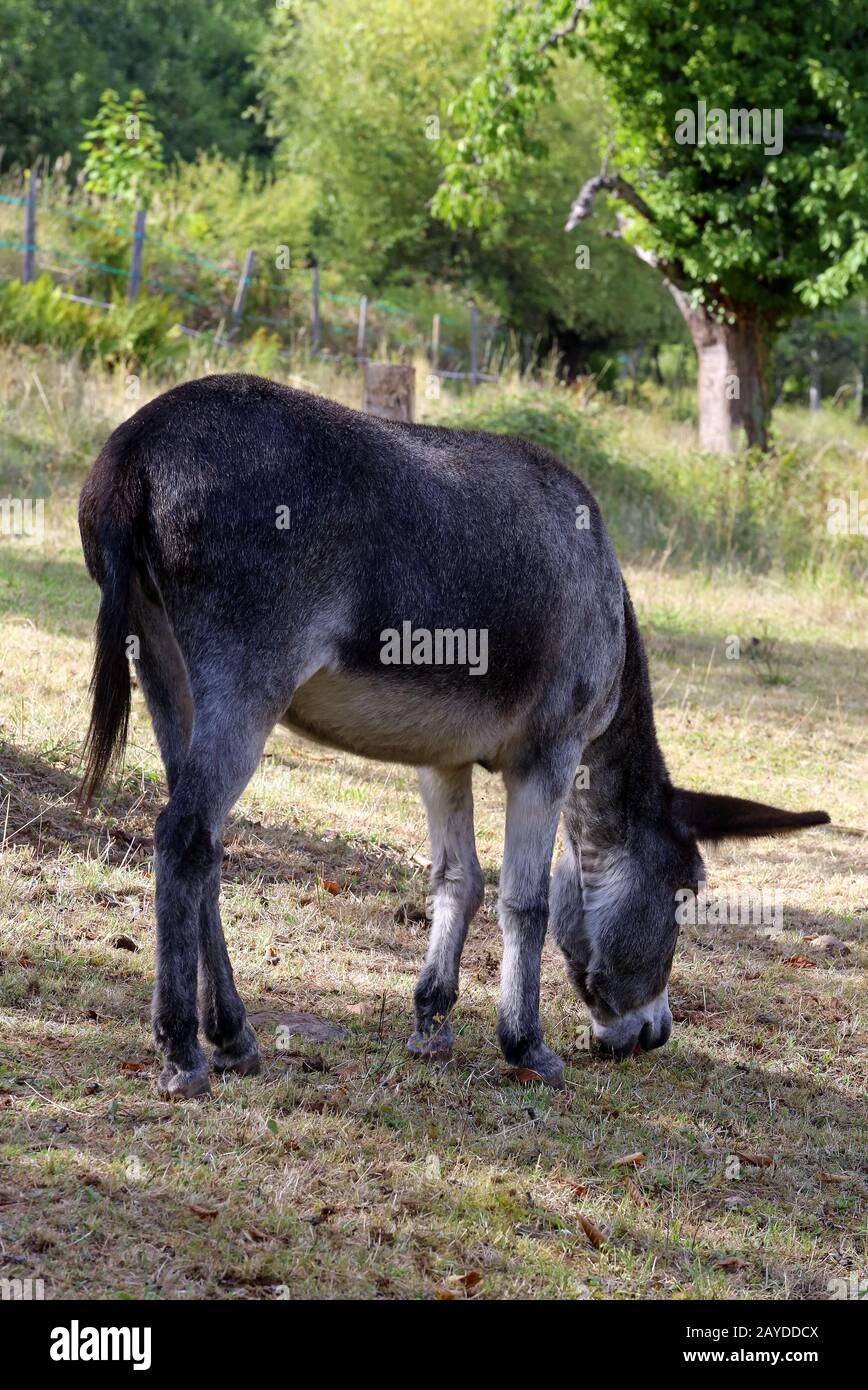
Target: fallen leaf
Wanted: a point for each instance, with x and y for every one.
(801, 962)
(134, 1066)
(755, 1160)
(731, 1262)
(628, 1161)
(254, 1235)
(330, 886)
(522, 1074)
(445, 1293)
(579, 1189)
(594, 1234)
(207, 1213)
(469, 1279)
(633, 1191)
(272, 955)
(124, 943)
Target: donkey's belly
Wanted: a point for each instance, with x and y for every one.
(396, 720)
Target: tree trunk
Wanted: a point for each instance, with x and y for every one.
(732, 374)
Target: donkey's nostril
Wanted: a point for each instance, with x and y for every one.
(652, 1036)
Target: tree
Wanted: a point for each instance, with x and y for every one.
(736, 161)
(581, 296)
(356, 94)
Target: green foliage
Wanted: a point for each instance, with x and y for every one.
(138, 335)
(263, 353)
(124, 149)
(494, 118)
(193, 60)
(374, 151)
(352, 91)
(221, 207)
(584, 289)
(740, 225)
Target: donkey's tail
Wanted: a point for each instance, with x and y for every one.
(109, 518)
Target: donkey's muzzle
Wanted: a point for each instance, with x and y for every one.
(638, 1032)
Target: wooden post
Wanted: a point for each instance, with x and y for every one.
(28, 270)
(814, 387)
(474, 344)
(435, 343)
(238, 302)
(390, 390)
(138, 247)
(314, 309)
(363, 323)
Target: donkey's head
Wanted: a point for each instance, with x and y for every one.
(617, 923)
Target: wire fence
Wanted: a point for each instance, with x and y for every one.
(297, 308)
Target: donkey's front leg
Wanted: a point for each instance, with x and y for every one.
(457, 888)
(533, 806)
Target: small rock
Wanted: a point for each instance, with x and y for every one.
(830, 945)
(289, 1021)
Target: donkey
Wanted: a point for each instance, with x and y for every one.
(267, 556)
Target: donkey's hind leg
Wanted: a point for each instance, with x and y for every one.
(221, 1012)
(163, 678)
(223, 754)
(457, 887)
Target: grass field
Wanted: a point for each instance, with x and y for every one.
(346, 1169)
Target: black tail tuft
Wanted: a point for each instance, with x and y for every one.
(107, 517)
(712, 818)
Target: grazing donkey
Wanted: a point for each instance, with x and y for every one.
(425, 596)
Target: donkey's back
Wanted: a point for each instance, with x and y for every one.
(337, 557)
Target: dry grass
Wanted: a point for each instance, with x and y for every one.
(346, 1169)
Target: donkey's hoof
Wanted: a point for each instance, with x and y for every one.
(184, 1085)
(241, 1057)
(251, 1065)
(435, 1045)
(546, 1064)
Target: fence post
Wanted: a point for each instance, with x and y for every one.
(474, 344)
(29, 231)
(814, 387)
(435, 343)
(363, 324)
(138, 246)
(389, 390)
(314, 309)
(238, 302)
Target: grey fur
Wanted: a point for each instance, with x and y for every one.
(243, 624)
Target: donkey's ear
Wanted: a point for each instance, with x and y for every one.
(710, 817)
